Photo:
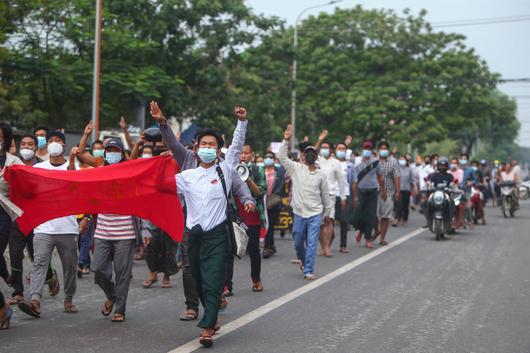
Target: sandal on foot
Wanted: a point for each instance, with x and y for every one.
(32, 308)
(206, 340)
(16, 299)
(4, 325)
(149, 283)
(257, 286)
(167, 285)
(69, 307)
(107, 309)
(118, 317)
(188, 315)
(383, 243)
(344, 250)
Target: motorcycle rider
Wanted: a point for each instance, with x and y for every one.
(441, 175)
(458, 177)
(508, 174)
(480, 179)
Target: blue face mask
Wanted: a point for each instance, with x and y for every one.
(324, 152)
(277, 165)
(383, 153)
(113, 157)
(367, 153)
(269, 162)
(41, 142)
(463, 161)
(207, 155)
(98, 153)
(474, 168)
(341, 154)
(402, 162)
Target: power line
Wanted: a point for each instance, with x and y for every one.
(445, 24)
(481, 21)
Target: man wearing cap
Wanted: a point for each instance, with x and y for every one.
(310, 203)
(369, 179)
(60, 233)
(205, 190)
(114, 242)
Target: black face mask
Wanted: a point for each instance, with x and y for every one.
(442, 170)
(159, 150)
(310, 158)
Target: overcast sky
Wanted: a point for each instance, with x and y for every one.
(504, 46)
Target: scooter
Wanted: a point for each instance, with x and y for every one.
(439, 212)
(476, 199)
(508, 199)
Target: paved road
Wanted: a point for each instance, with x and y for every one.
(470, 293)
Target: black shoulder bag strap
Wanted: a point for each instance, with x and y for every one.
(367, 170)
(229, 218)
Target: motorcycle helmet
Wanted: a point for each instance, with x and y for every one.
(443, 161)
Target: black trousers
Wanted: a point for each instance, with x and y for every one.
(402, 207)
(5, 229)
(188, 282)
(253, 233)
(17, 243)
(343, 216)
(273, 214)
(365, 214)
(160, 253)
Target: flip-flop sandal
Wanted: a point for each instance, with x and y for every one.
(29, 309)
(107, 310)
(118, 318)
(167, 285)
(188, 315)
(206, 341)
(344, 251)
(149, 283)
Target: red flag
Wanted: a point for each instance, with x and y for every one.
(144, 188)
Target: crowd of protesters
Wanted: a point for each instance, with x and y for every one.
(365, 188)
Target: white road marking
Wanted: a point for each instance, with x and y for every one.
(275, 304)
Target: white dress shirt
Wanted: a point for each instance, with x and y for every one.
(203, 190)
(333, 170)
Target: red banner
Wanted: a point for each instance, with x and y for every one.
(144, 188)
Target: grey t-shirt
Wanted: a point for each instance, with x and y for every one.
(370, 180)
(407, 178)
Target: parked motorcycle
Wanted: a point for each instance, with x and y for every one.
(508, 196)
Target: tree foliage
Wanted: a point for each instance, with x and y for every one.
(369, 73)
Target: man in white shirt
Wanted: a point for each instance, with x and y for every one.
(333, 171)
(310, 202)
(206, 218)
(60, 233)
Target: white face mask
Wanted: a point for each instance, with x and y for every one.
(55, 149)
(27, 154)
(147, 155)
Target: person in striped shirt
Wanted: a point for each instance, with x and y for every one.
(114, 242)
